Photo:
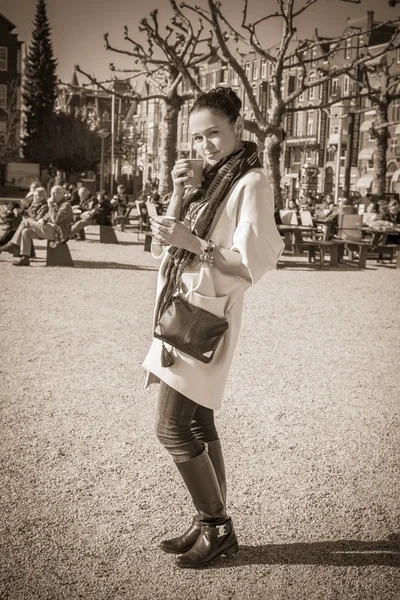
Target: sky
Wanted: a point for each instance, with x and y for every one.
(78, 25)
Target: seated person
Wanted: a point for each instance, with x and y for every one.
(39, 207)
(99, 214)
(156, 200)
(391, 212)
(294, 206)
(27, 201)
(12, 219)
(74, 198)
(55, 226)
(119, 203)
(82, 210)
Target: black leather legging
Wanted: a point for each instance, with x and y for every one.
(183, 426)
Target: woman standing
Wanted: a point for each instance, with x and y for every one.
(222, 241)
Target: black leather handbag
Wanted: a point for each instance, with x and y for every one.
(190, 329)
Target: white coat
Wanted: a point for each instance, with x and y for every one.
(246, 225)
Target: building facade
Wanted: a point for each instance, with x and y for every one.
(10, 88)
(334, 142)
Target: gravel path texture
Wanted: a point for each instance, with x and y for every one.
(309, 423)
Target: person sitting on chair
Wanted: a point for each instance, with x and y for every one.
(100, 214)
(12, 219)
(55, 226)
(39, 207)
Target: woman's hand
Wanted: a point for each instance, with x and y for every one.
(173, 233)
(180, 174)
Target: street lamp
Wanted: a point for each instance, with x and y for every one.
(103, 133)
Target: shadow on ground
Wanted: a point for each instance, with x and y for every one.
(91, 264)
(93, 240)
(340, 553)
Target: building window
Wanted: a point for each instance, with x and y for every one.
(3, 96)
(263, 68)
(247, 70)
(213, 78)
(314, 57)
(255, 69)
(330, 154)
(311, 91)
(394, 143)
(347, 52)
(346, 85)
(299, 124)
(3, 58)
(396, 111)
(334, 129)
(334, 87)
(310, 123)
(299, 84)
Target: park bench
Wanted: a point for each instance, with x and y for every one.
(59, 256)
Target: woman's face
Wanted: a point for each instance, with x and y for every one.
(214, 136)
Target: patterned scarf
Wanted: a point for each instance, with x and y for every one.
(224, 176)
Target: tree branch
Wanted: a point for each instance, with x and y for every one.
(133, 97)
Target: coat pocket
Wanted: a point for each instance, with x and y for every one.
(215, 305)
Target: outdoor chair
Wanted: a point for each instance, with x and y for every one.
(350, 233)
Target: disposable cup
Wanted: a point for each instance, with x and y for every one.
(195, 173)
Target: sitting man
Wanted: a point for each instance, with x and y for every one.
(55, 226)
(12, 219)
(100, 214)
(82, 211)
(39, 207)
(120, 204)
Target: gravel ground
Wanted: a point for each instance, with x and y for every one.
(310, 426)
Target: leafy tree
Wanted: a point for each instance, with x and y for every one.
(67, 143)
(39, 94)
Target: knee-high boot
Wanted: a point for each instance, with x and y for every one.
(184, 542)
(217, 535)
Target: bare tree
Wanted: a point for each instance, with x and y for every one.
(287, 54)
(382, 87)
(169, 55)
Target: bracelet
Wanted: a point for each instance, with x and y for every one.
(208, 254)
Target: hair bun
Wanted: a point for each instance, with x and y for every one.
(232, 95)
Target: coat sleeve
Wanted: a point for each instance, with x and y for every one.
(256, 236)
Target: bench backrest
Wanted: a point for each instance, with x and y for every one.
(288, 217)
(350, 228)
(306, 218)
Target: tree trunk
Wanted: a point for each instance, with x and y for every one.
(382, 136)
(169, 139)
(273, 151)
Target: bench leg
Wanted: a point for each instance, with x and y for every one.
(107, 235)
(334, 255)
(59, 256)
(311, 255)
(363, 251)
(147, 243)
